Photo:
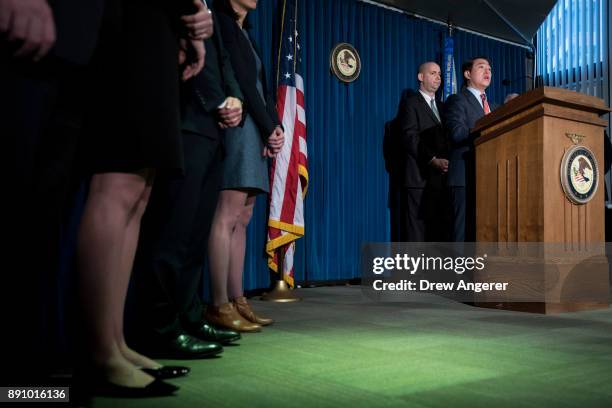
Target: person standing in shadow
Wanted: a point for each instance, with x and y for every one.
(175, 230)
(132, 133)
(245, 173)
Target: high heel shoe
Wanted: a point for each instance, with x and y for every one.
(244, 308)
(157, 388)
(167, 372)
(227, 316)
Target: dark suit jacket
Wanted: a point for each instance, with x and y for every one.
(462, 112)
(245, 67)
(203, 94)
(416, 121)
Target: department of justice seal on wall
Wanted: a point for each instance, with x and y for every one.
(579, 174)
(345, 63)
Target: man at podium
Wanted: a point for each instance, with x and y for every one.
(462, 111)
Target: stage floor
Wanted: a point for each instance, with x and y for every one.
(337, 348)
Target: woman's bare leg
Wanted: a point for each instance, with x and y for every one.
(238, 249)
(122, 278)
(227, 214)
(112, 203)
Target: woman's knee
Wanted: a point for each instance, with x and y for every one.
(228, 218)
(143, 201)
(245, 215)
(229, 208)
(128, 192)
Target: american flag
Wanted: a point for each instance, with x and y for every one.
(289, 170)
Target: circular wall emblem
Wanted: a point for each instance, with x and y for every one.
(345, 63)
(579, 174)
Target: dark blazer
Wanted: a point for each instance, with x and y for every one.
(203, 94)
(245, 67)
(416, 121)
(462, 112)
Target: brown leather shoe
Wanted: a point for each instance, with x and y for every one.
(244, 308)
(227, 316)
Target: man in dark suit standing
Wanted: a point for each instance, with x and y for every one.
(419, 117)
(462, 111)
(175, 228)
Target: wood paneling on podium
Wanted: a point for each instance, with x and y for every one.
(520, 197)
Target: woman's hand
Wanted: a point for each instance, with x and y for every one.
(230, 112)
(267, 152)
(276, 140)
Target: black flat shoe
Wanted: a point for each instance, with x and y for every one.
(204, 331)
(167, 372)
(157, 388)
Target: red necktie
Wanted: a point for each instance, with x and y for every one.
(485, 104)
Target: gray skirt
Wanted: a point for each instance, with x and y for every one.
(244, 166)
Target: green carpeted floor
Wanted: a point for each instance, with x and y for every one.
(337, 348)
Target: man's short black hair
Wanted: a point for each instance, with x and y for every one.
(467, 66)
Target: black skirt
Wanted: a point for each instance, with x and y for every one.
(134, 120)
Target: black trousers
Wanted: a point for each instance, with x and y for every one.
(173, 242)
(438, 213)
(393, 203)
(40, 121)
(463, 203)
(412, 215)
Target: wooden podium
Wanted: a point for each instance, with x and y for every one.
(521, 198)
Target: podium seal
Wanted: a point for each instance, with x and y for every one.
(579, 174)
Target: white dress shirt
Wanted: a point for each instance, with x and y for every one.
(477, 94)
(429, 100)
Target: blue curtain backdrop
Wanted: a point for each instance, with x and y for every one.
(347, 196)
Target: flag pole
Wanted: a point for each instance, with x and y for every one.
(281, 292)
(293, 226)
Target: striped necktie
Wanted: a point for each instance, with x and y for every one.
(485, 104)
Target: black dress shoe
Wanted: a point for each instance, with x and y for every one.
(157, 388)
(184, 346)
(204, 331)
(167, 372)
